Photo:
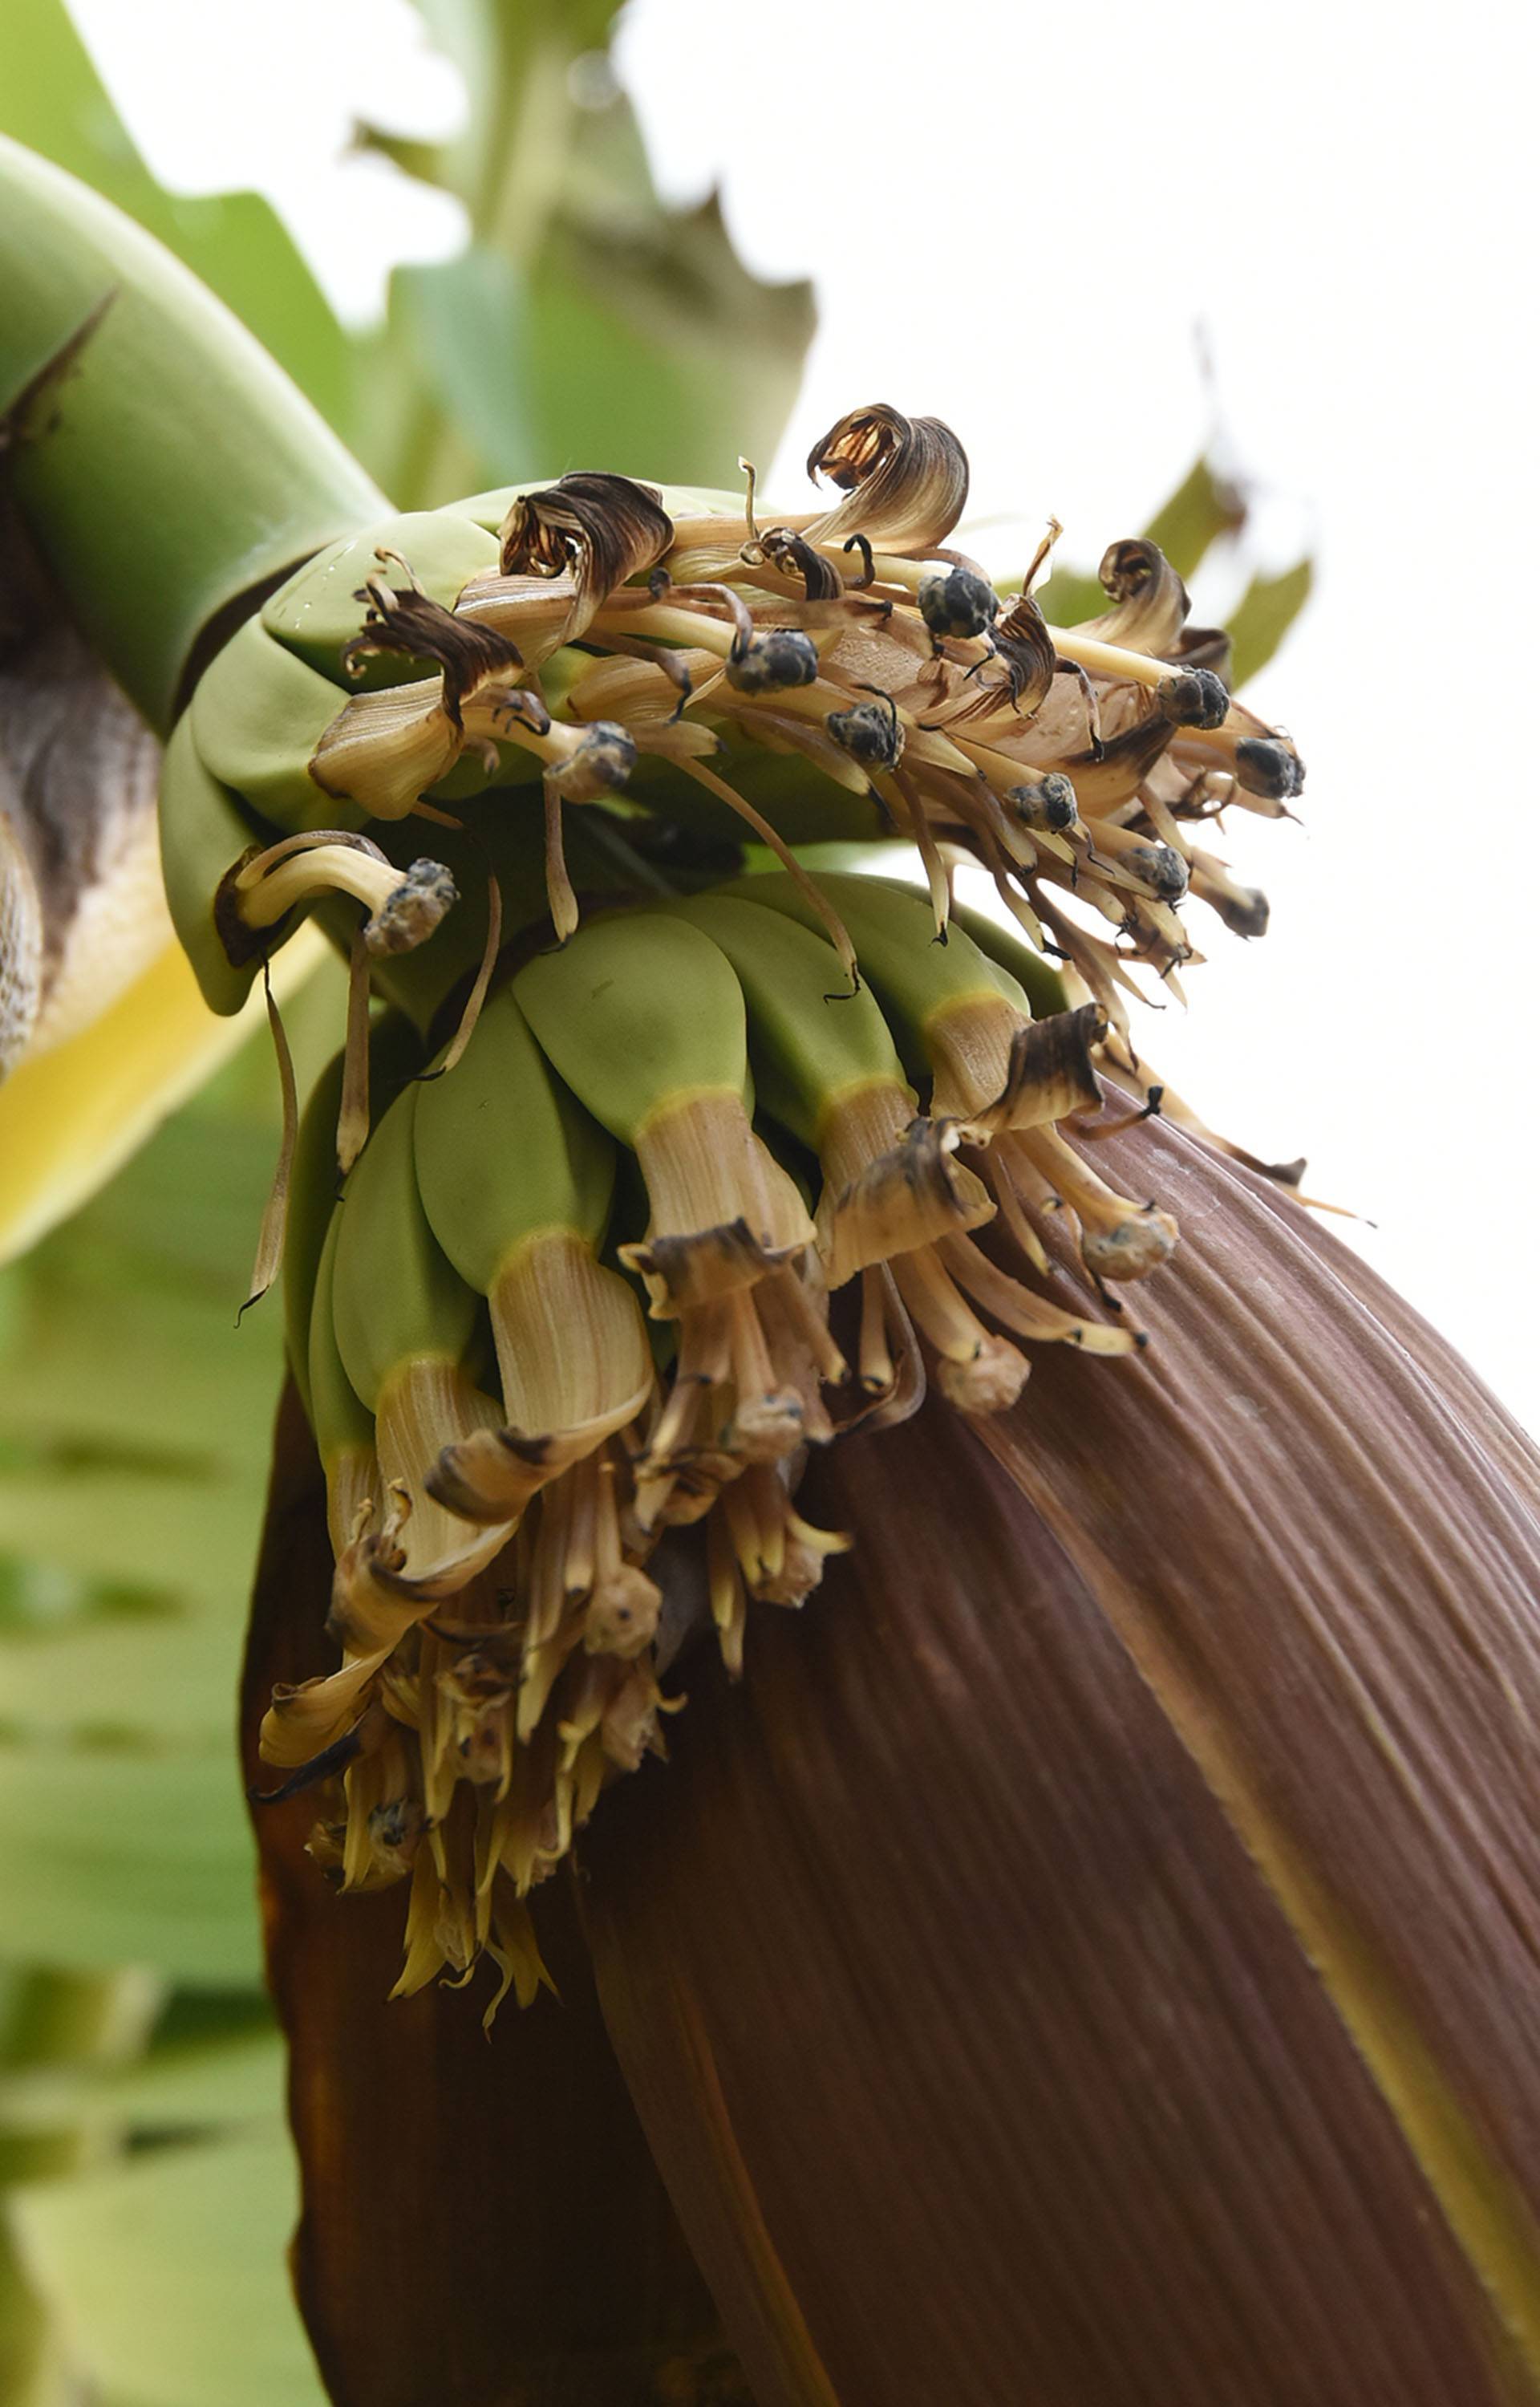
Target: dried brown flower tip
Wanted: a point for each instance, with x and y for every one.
(598, 528)
(905, 479)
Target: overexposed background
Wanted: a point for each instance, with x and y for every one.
(1089, 239)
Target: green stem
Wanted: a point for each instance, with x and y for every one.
(165, 466)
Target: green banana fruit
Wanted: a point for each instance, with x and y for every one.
(636, 1013)
(504, 1154)
(317, 615)
(812, 1044)
(203, 831)
(515, 1181)
(258, 715)
(954, 1012)
(397, 1299)
(394, 1055)
(344, 1426)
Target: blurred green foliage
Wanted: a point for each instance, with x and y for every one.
(140, 2085)
(585, 325)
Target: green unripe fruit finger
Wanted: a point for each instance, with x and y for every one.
(203, 833)
(339, 1419)
(504, 1153)
(811, 1041)
(914, 977)
(634, 1013)
(1038, 981)
(394, 1295)
(257, 717)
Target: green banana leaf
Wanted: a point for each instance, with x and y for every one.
(169, 2269)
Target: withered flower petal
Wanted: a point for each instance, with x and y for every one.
(1024, 650)
(604, 529)
(905, 479)
(1050, 1073)
(415, 627)
(1150, 604)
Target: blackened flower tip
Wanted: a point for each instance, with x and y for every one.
(412, 911)
(1050, 803)
(870, 732)
(1159, 866)
(1194, 698)
(599, 763)
(772, 662)
(957, 602)
(264, 886)
(1270, 768)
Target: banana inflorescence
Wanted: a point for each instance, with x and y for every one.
(592, 1240)
(685, 1206)
(599, 635)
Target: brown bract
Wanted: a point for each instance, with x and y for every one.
(1092, 1958)
(1139, 1990)
(905, 479)
(603, 528)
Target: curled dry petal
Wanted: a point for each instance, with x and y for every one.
(412, 626)
(1141, 1983)
(905, 1198)
(603, 528)
(905, 479)
(1024, 650)
(1148, 600)
(1050, 1073)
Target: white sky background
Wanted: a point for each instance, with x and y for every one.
(1019, 220)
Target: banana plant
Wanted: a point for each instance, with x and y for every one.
(1086, 1949)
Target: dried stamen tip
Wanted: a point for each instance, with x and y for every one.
(1194, 698)
(1270, 768)
(622, 1616)
(411, 913)
(1159, 866)
(598, 764)
(1049, 803)
(766, 1427)
(988, 1381)
(1133, 1248)
(869, 732)
(957, 602)
(1244, 909)
(768, 663)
